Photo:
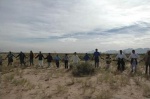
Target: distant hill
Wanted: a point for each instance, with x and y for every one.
(138, 50)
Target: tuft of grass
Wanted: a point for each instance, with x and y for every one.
(83, 69)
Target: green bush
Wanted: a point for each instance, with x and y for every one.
(83, 69)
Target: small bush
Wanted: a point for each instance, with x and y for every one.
(83, 69)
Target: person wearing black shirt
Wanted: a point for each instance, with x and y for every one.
(10, 58)
(31, 58)
(40, 57)
(21, 56)
(49, 59)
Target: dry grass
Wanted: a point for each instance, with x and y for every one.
(104, 84)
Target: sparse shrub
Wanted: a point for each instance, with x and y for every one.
(83, 69)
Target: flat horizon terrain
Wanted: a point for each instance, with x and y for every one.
(33, 82)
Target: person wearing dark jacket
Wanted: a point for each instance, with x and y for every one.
(49, 59)
(66, 59)
(21, 56)
(86, 57)
(31, 58)
(40, 57)
(10, 58)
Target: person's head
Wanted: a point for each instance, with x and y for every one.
(96, 49)
(120, 51)
(20, 51)
(75, 53)
(66, 54)
(31, 52)
(40, 52)
(133, 51)
(9, 52)
(49, 53)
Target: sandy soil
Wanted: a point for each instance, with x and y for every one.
(53, 83)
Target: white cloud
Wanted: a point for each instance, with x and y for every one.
(55, 18)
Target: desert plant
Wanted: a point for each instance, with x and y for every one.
(83, 69)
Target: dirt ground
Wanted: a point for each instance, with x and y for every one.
(34, 82)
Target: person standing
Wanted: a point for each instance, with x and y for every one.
(96, 56)
(40, 58)
(31, 58)
(134, 56)
(86, 57)
(121, 61)
(57, 59)
(10, 58)
(21, 56)
(108, 61)
(1, 60)
(75, 58)
(66, 59)
(49, 59)
(147, 62)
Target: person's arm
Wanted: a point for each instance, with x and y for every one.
(18, 55)
(6, 57)
(37, 56)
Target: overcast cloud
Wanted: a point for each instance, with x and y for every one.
(74, 25)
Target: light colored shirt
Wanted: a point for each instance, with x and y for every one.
(134, 56)
(121, 56)
(75, 58)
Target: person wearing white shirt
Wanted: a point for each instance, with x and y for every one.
(75, 58)
(134, 56)
(120, 61)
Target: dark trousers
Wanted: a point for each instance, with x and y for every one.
(31, 62)
(22, 62)
(66, 64)
(146, 70)
(57, 64)
(121, 65)
(96, 62)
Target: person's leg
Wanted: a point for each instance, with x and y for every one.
(48, 64)
(67, 64)
(118, 67)
(146, 69)
(95, 64)
(149, 68)
(40, 63)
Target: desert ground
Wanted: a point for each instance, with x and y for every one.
(32, 82)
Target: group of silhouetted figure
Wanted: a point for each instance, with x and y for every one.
(134, 59)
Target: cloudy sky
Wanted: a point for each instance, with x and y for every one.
(74, 25)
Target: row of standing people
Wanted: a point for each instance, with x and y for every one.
(41, 57)
(120, 58)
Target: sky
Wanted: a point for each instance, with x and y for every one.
(68, 26)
